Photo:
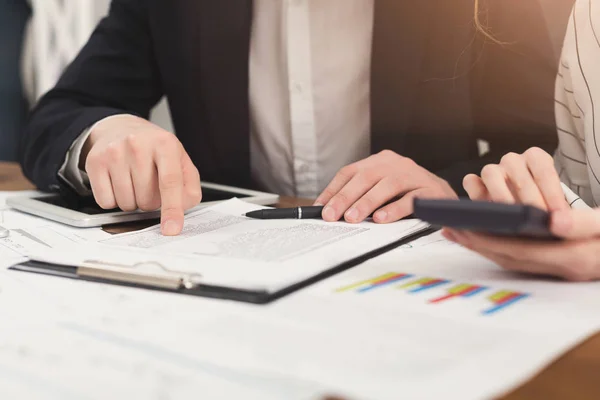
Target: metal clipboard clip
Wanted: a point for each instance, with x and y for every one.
(150, 273)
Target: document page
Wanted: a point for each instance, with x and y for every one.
(228, 247)
(429, 320)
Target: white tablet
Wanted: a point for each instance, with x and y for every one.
(86, 213)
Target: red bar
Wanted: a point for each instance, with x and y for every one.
(433, 282)
(443, 298)
(391, 278)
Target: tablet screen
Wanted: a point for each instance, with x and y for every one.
(87, 205)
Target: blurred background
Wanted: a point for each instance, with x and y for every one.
(38, 38)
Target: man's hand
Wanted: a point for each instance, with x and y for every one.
(134, 164)
(576, 258)
(528, 178)
(361, 188)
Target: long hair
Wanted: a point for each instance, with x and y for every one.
(480, 26)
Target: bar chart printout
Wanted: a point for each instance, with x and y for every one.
(409, 283)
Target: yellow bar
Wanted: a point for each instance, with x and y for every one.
(459, 288)
(500, 295)
(368, 281)
(417, 282)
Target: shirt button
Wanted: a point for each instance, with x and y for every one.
(296, 87)
(302, 167)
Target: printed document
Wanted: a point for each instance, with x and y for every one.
(230, 250)
(426, 321)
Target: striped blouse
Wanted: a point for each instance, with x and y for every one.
(577, 158)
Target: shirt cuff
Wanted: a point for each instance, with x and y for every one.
(70, 172)
(574, 200)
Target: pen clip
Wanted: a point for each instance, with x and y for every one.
(149, 273)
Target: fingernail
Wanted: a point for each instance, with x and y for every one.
(328, 213)
(171, 228)
(380, 216)
(352, 214)
(561, 222)
(317, 203)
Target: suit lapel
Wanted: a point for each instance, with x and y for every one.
(399, 38)
(218, 45)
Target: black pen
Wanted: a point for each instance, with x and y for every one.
(287, 213)
(293, 213)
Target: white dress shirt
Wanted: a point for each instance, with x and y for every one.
(578, 104)
(309, 94)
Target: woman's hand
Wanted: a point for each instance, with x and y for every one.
(528, 178)
(577, 258)
(531, 179)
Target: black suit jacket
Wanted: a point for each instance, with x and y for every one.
(437, 85)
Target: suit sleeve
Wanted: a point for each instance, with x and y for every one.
(512, 85)
(115, 73)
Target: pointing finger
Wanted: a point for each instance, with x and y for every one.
(170, 182)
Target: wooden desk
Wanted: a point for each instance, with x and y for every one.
(576, 375)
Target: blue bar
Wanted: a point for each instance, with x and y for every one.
(425, 287)
(474, 292)
(501, 306)
(378, 285)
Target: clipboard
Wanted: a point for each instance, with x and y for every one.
(155, 276)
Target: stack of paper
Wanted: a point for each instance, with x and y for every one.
(428, 320)
(230, 250)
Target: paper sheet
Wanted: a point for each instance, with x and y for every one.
(65, 339)
(387, 342)
(234, 251)
(429, 320)
(434, 320)
(35, 226)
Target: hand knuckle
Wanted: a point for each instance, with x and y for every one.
(148, 202)
(103, 202)
(134, 144)
(366, 204)
(342, 198)
(194, 195)
(489, 170)
(327, 193)
(169, 180)
(368, 176)
(407, 163)
(94, 160)
(390, 156)
(544, 174)
(126, 206)
(535, 154)
(348, 171)
(511, 158)
(114, 152)
(165, 140)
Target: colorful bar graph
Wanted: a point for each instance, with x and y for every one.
(461, 290)
(375, 283)
(503, 299)
(500, 299)
(423, 284)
